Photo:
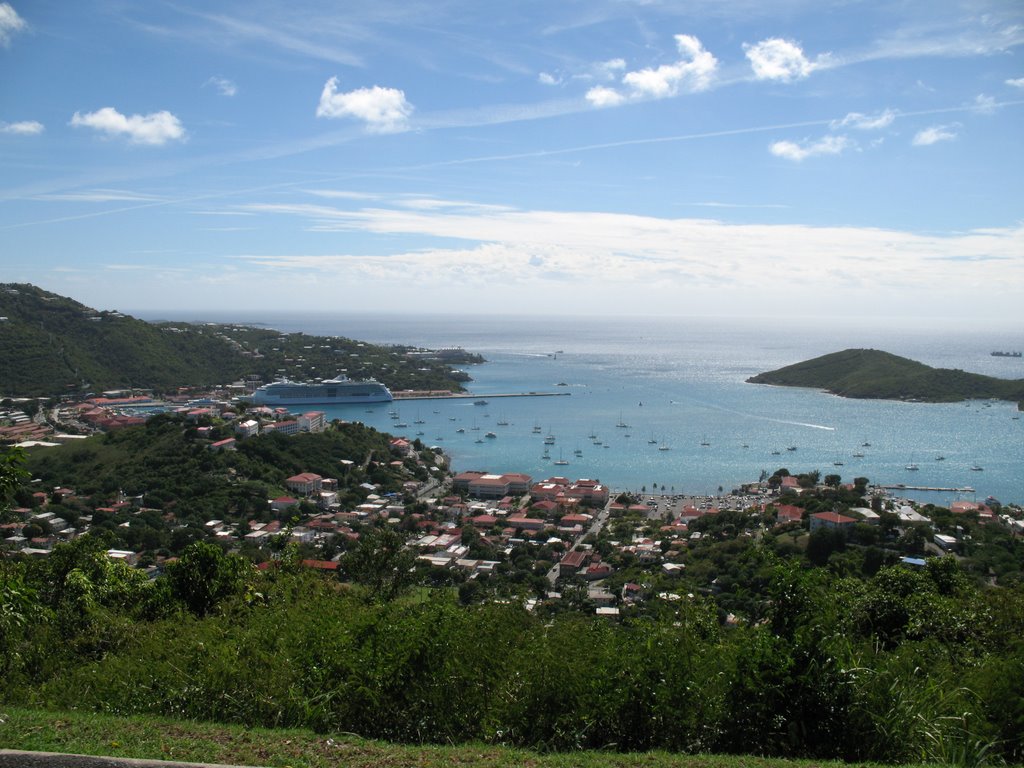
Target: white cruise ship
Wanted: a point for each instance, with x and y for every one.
(340, 390)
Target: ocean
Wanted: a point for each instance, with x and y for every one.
(694, 424)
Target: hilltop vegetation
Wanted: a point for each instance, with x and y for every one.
(183, 483)
(870, 373)
(53, 345)
(901, 666)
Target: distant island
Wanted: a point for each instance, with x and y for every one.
(873, 374)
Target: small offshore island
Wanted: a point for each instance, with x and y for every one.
(873, 374)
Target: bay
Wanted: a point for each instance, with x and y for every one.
(694, 424)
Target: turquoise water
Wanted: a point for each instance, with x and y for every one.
(681, 383)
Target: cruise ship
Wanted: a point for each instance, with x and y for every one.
(340, 391)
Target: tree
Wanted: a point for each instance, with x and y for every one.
(12, 474)
(381, 563)
(823, 542)
(204, 575)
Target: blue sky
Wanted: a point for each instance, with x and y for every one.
(603, 156)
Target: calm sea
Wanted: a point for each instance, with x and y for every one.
(693, 423)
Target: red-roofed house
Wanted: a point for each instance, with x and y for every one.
(305, 483)
(571, 563)
(790, 483)
(830, 520)
(281, 503)
(787, 513)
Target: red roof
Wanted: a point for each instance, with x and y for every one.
(834, 517)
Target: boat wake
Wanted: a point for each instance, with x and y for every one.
(758, 417)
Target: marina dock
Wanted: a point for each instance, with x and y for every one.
(901, 487)
(470, 396)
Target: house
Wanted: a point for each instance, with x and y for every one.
(571, 563)
(481, 485)
(400, 446)
(983, 511)
(832, 520)
(306, 483)
(247, 428)
(788, 513)
(566, 493)
(526, 523)
(313, 421)
(223, 445)
(290, 427)
(281, 503)
(596, 571)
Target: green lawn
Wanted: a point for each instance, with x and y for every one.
(162, 739)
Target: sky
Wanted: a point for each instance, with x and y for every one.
(793, 158)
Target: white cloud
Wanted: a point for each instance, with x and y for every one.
(829, 145)
(637, 255)
(155, 128)
(22, 128)
(224, 86)
(384, 110)
(694, 72)
(865, 122)
(935, 134)
(607, 69)
(984, 105)
(10, 22)
(601, 96)
(1017, 82)
(779, 59)
(98, 196)
(545, 78)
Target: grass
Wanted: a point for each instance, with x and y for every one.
(164, 739)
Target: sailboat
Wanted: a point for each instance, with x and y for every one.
(912, 467)
(561, 461)
(704, 441)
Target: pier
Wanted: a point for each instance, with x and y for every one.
(470, 396)
(901, 487)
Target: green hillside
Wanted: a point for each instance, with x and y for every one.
(166, 461)
(870, 373)
(53, 345)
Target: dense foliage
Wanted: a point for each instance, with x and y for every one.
(869, 373)
(902, 666)
(53, 345)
